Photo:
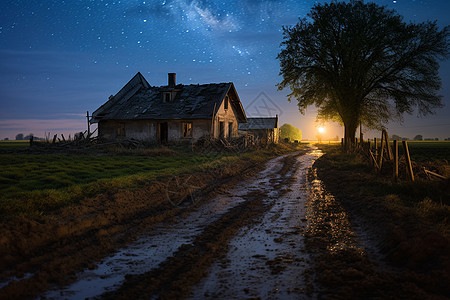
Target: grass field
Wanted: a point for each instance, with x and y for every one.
(39, 183)
(14, 145)
(427, 150)
(413, 192)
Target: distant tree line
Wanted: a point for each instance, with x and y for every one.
(21, 137)
(418, 137)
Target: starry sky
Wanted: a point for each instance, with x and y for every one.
(59, 59)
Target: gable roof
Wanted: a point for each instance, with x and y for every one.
(137, 100)
(259, 123)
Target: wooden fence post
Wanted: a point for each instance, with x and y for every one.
(380, 158)
(408, 161)
(395, 160)
(88, 124)
(388, 148)
(375, 145)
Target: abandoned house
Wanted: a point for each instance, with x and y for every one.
(265, 129)
(170, 113)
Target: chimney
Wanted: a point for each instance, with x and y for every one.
(172, 79)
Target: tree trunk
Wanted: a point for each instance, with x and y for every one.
(349, 136)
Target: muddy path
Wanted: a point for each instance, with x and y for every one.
(247, 241)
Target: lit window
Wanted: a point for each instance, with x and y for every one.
(187, 129)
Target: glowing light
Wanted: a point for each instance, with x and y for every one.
(321, 130)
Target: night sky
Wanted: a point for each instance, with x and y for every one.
(59, 59)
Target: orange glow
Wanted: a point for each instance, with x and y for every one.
(321, 129)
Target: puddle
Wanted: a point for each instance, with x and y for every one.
(328, 219)
(159, 244)
(5, 283)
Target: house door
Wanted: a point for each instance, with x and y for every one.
(222, 129)
(163, 132)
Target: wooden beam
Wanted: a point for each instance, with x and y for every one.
(375, 145)
(88, 123)
(434, 174)
(213, 121)
(374, 161)
(381, 153)
(395, 160)
(388, 148)
(408, 161)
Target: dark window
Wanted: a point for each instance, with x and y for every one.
(222, 129)
(163, 132)
(226, 103)
(187, 129)
(230, 129)
(167, 97)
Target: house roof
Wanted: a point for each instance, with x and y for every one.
(259, 123)
(137, 100)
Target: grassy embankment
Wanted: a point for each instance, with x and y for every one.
(412, 194)
(408, 220)
(37, 184)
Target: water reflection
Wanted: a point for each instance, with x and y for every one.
(327, 220)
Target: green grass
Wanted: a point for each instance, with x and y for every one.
(14, 145)
(36, 184)
(427, 150)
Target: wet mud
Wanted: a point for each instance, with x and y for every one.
(183, 274)
(267, 260)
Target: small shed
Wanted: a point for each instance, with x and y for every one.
(265, 128)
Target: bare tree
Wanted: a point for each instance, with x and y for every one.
(359, 62)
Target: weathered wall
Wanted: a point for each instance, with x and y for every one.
(147, 130)
(136, 129)
(265, 135)
(227, 116)
(201, 128)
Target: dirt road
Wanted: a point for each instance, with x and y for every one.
(248, 241)
(254, 231)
